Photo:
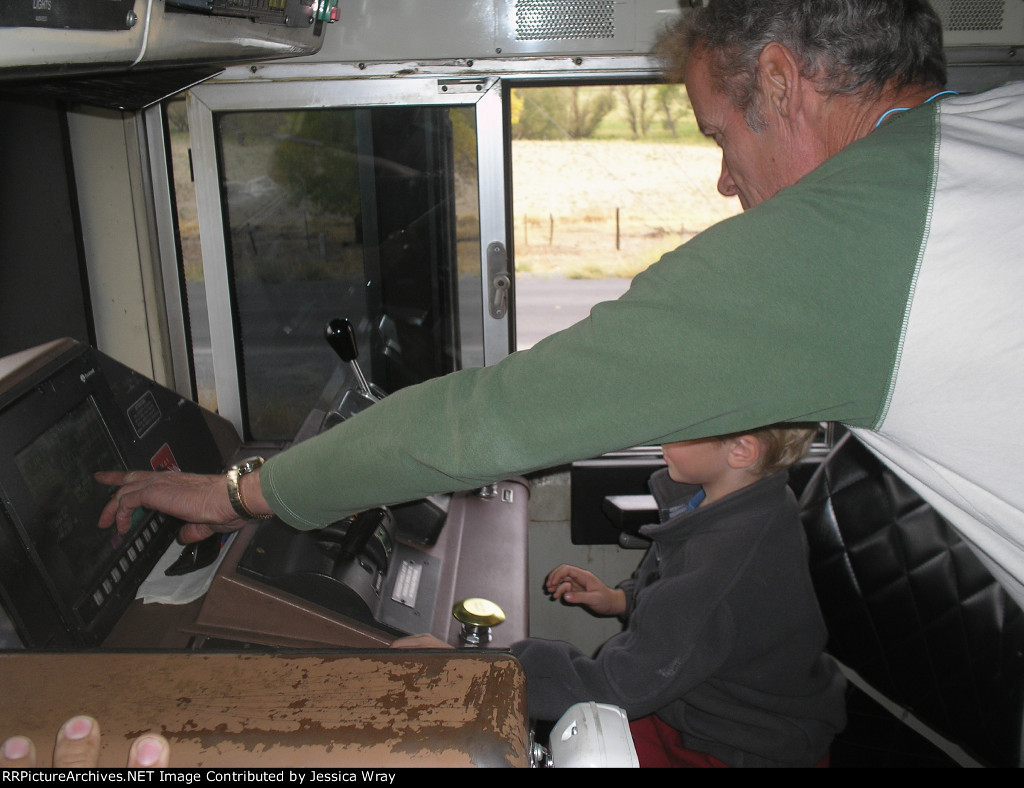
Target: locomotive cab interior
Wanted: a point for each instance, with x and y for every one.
(229, 226)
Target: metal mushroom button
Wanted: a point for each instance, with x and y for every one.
(477, 616)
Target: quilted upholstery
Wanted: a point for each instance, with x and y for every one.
(911, 609)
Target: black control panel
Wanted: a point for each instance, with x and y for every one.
(122, 14)
(67, 411)
(366, 567)
(293, 13)
(68, 14)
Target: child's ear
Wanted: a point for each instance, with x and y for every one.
(745, 452)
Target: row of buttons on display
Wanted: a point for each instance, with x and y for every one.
(120, 569)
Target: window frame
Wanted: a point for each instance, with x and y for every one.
(484, 85)
(204, 101)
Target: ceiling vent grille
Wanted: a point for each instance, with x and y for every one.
(547, 20)
(970, 15)
(566, 26)
(981, 22)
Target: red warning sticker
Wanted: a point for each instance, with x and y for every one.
(164, 460)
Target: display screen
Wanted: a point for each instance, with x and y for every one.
(57, 468)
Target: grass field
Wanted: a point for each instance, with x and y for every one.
(588, 208)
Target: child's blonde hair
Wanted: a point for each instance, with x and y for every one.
(782, 445)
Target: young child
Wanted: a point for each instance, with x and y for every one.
(721, 661)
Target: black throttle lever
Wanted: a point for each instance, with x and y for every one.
(341, 336)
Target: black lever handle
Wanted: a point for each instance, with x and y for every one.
(341, 336)
(360, 530)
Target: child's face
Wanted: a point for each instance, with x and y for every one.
(697, 462)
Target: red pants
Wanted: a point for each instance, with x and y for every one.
(659, 746)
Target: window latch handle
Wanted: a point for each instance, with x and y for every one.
(499, 280)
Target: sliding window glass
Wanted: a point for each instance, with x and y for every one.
(363, 206)
(363, 213)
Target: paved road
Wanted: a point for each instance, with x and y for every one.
(546, 305)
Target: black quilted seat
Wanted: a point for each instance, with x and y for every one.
(912, 611)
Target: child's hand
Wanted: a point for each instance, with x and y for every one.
(576, 586)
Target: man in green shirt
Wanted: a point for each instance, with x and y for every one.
(873, 279)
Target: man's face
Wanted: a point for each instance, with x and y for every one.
(755, 165)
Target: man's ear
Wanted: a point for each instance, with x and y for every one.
(745, 452)
(779, 78)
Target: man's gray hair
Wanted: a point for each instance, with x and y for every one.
(846, 46)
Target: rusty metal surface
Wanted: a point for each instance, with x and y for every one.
(370, 709)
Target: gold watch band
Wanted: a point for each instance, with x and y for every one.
(234, 477)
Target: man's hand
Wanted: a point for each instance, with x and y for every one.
(201, 502)
(576, 586)
(78, 747)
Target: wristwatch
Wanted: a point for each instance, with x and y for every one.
(235, 474)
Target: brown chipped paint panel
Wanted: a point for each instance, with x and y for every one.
(369, 709)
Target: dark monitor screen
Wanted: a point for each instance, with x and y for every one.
(67, 413)
(57, 468)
